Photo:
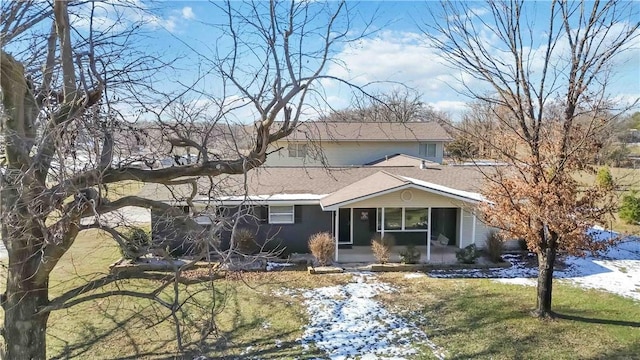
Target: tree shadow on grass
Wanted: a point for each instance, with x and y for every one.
(634, 324)
(631, 352)
(223, 345)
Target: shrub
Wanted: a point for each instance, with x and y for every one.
(381, 247)
(630, 208)
(604, 178)
(136, 243)
(410, 255)
(494, 246)
(322, 247)
(245, 241)
(468, 255)
(522, 244)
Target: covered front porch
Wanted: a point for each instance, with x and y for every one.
(437, 233)
(434, 219)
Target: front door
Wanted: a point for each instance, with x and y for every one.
(444, 221)
(364, 226)
(344, 235)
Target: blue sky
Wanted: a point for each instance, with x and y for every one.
(395, 52)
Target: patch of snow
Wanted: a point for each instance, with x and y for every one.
(616, 270)
(348, 323)
(414, 275)
(271, 266)
(518, 281)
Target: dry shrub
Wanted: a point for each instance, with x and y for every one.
(245, 241)
(381, 247)
(494, 246)
(322, 247)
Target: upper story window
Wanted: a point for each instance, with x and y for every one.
(428, 150)
(281, 214)
(297, 150)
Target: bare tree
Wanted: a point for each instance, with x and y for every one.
(65, 141)
(398, 105)
(548, 94)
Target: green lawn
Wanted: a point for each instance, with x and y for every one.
(626, 179)
(479, 318)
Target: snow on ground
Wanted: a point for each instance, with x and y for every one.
(414, 275)
(272, 266)
(348, 323)
(616, 270)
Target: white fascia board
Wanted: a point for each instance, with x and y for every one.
(447, 191)
(277, 199)
(334, 207)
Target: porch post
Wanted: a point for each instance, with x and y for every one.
(473, 230)
(351, 226)
(382, 224)
(461, 227)
(428, 234)
(337, 232)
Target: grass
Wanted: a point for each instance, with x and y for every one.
(123, 188)
(626, 179)
(478, 318)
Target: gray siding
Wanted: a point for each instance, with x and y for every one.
(171, 233)
(288, 238)
(346, 153)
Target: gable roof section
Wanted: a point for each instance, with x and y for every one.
(377, 183)
(370, 131)
(383, 182)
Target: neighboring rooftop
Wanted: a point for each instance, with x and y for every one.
(370, 131)
(398, 160)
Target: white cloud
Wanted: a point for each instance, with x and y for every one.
(394, 57)
(187, 13)
(451, 107)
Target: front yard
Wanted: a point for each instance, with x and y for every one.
(291, 314)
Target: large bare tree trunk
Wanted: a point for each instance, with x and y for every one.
(24, 327)
(546, 259)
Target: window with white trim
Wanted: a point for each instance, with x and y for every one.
(403, 219)
(279, 214)
(297, 150)
(428, 150)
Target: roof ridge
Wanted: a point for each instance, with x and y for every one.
(397, 177)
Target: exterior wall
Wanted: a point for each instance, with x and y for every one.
(169, 232)
(482, 230)
(466, 238)
(407, 198)
(290, 238)
(348, 153)
(309, 219)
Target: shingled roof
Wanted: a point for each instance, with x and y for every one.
(295, 183)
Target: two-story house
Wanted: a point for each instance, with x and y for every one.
(354, 180)
(357, 144)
